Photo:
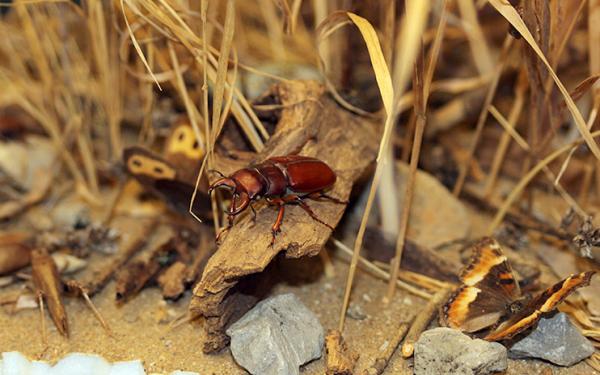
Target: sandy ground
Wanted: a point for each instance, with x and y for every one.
(142, 331)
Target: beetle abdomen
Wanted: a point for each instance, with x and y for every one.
(307, 175)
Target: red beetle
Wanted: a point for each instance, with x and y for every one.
(280, 180)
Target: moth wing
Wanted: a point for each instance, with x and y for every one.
(489, 286)
(544, 302)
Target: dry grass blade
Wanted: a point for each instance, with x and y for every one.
(464, 168)
(421, 86)
(518, 189)
(511, 15)
(379, 273)
(525, 146)
(477, 42)
(413, 24)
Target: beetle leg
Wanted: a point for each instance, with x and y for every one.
(253, 212)
(276, 228)
(298, 200)
(320, 194)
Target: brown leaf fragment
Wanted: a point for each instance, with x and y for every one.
(340, 359)
(15, 251)
(310, 124)
(48, 283)
(171, 281)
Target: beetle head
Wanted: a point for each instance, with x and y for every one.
(239, 199)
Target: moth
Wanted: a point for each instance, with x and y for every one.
(490, 297)
(172, 176)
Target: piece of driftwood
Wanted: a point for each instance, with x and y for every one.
(340, 359)
(310, 124)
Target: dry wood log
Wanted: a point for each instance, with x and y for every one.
(310, 124)
(340, 359)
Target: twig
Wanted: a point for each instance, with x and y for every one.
(340, 359)
(422, 321)
(379, 273)
(464, 169)
(525, 146)
(382, 360)
(421, 86)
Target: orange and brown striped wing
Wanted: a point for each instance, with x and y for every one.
(545, 302)
(488, 287)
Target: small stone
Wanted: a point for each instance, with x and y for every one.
(447, 351)
(556, 340)
(276, 337)
(356, 312)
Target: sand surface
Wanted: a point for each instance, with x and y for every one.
(142, 331)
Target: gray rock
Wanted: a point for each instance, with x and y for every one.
(556, 340)
(448, 351)
(276, 337)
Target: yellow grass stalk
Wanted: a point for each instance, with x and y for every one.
(518, 189)
(421, 87)
(479, 47)
(512, 16)
(464, 168)
(407, 45)
(525, 146)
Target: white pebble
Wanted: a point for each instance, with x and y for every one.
(81, 364)
(128, 368)
(14, 363)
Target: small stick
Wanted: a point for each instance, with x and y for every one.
(327, 264)
(379, 273)
(464, 168)
(422, 321)
(42, 320)
(382, 360)
(340, 359)
(135, 242)
(73, 285)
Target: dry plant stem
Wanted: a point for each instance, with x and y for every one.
(525, 146)
(407, 45)
(381, 361)
(518, 189)
(40, 298)
(412, 173)
(422, 320)
(379, 273)
(512, 16)
(464, 168)
(565, 164)
(513, 117)
(48, 283)
(421, 86)
(340, 359)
